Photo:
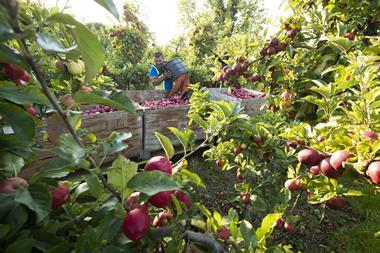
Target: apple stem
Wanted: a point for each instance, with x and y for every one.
(295, 202)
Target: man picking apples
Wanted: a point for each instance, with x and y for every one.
(159, 77)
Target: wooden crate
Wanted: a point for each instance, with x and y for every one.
(251, 107)
(102, 125)
(158, 120)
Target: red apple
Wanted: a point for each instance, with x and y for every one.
(32, 110)
(246, 199)
(244, 67)
(219, 162)
(224, 233)
(59, 195)
(132, 201)
(183, 197)
(373, 172)
(291, 33)
(336, 203)
(136, 223)
(236, 68)
(13, 72)
(294, 184)
(12, 185)
(237, 150)
(371, 135)
(338, 158)
(271, 50)
(286, 96)
(159, 163)
(350, 36)
(309, 157)
(291, 114)
(258, 140)
(289, 227)
(162, 219)
(263, 51)
(239, 175)
(273, 42)
(279, 223)
(315, 170)
(328, 170)
(161, 199)
(68, 101)
(86, 89)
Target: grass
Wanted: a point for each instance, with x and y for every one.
(346, 231)
(219, 185)
(359, 236)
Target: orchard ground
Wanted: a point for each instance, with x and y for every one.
(350, 230)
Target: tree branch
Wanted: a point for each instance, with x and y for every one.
(194, 237)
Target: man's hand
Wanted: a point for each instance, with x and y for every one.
(167, 74)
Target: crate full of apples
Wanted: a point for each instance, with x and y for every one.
(251, 101)
(160, 113)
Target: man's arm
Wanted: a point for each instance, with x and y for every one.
(156, 80)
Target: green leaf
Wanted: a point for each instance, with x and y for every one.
(152, 182)
(110, 6)
(193, 177)
(8, 55)
(121, 171)
(12, 213)
(181, 136)
(353, 193)
(224, 106)
(323, 90)
(341, 43)
(108, 228)
(37, 198)
(248, 234)
(204, 210)
(177, 205)
(267, 226)
(56, 168)
(22, 95)
(21, 122)
(93, 183)
(69, 149)
(12, 163)
(217, 217)
(319, 102)
(88, 44)
(116, 142)
(64, 247)
(197, 119)
(115, 100)
(166, 145)
(51, 45)
(258, 202)
(21, 245)
(4, 230)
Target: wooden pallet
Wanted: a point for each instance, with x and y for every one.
(102, 125)
(251, 107)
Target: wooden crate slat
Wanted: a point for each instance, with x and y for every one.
(102, 125)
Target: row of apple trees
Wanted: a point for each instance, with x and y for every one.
(320, 135)
(71, 204)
